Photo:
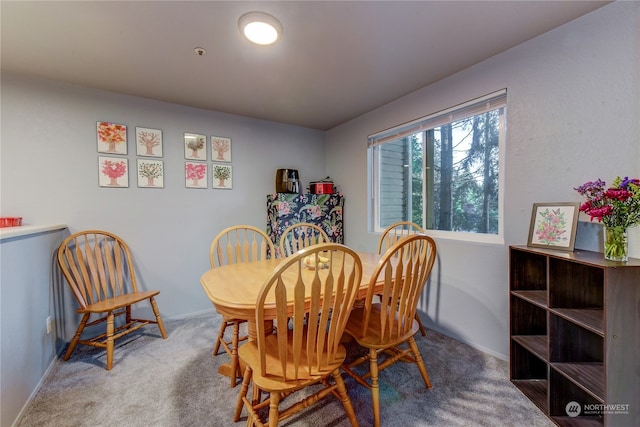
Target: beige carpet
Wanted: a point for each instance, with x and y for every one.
(175, 382)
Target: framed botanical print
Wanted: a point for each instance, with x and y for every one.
(113, 172)
(150, 173)
(222, 176)
(148, 142)
(112, 138)
(196, 175)
(220, 149)
(195, 146)
(553, 225)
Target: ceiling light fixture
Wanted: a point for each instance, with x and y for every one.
(260, 28)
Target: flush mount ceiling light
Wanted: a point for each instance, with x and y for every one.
(260, 28)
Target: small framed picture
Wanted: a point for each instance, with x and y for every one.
(112, 138)
(150, 173)
(553, 225)
(196, 175)
(114, 172)
(222, 176)
(220, 149)
(195, 146)
(148, 142)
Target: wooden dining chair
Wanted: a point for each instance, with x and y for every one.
(236, 244)
(395, 232)
(386, 326)
(299, 236)
(315, 305)
(391, 235)
(99, 269)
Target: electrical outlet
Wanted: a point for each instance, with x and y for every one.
(49, 325)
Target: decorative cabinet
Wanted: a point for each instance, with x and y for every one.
(575, 335)
(325, 210)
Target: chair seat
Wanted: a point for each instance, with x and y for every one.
(250, 355)
(118, 302)
(372, 338)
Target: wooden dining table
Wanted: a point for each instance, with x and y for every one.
(233, 289)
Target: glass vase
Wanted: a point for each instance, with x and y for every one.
(616, 244)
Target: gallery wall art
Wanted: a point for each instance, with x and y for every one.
(114, 172)
(195, 146)
(220, 149)
(222, 176)
(196, 175)
(112, 138)
(150, 173)
(148, 142)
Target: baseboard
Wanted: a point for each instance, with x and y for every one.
(470, 343)
(211, 311)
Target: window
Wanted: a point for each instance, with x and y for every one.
(443, 171)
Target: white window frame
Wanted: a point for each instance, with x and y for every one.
(458, 112)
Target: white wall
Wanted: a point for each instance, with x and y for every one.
(50, 175)
(573, 105)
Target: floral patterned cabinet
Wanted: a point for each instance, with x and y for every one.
(325, 210)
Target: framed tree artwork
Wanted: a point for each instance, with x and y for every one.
(149, 142)
(113, 172)
(221, 149)
(222, 176)
(196, 174)
(112, 138)
(150, 173)
(195, 146)
(554, 225)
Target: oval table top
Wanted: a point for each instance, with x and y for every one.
(233, 288)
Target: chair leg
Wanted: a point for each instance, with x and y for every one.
(76, 336)
(274, 413)
(423, 330)
(243, 393)
(235, 362)
(375, 388)
(110, 329)
(344, 398)
(159, 321)
(223, 326)
(420, 362)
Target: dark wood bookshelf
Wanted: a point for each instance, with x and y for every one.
(574, 334)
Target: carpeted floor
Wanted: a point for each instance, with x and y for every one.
(175, 382)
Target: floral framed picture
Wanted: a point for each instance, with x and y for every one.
(196, 175)
(150, 173)
(553, 225)
(222, 176)
(112, 138)
(221, 149)
(195, 146)
(113, 172)
(148, 142)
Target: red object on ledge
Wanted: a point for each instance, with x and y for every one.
(10, 221)
(322, 187)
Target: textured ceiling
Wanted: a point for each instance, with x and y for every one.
(336, 60)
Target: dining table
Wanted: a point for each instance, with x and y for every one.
(233, 289)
